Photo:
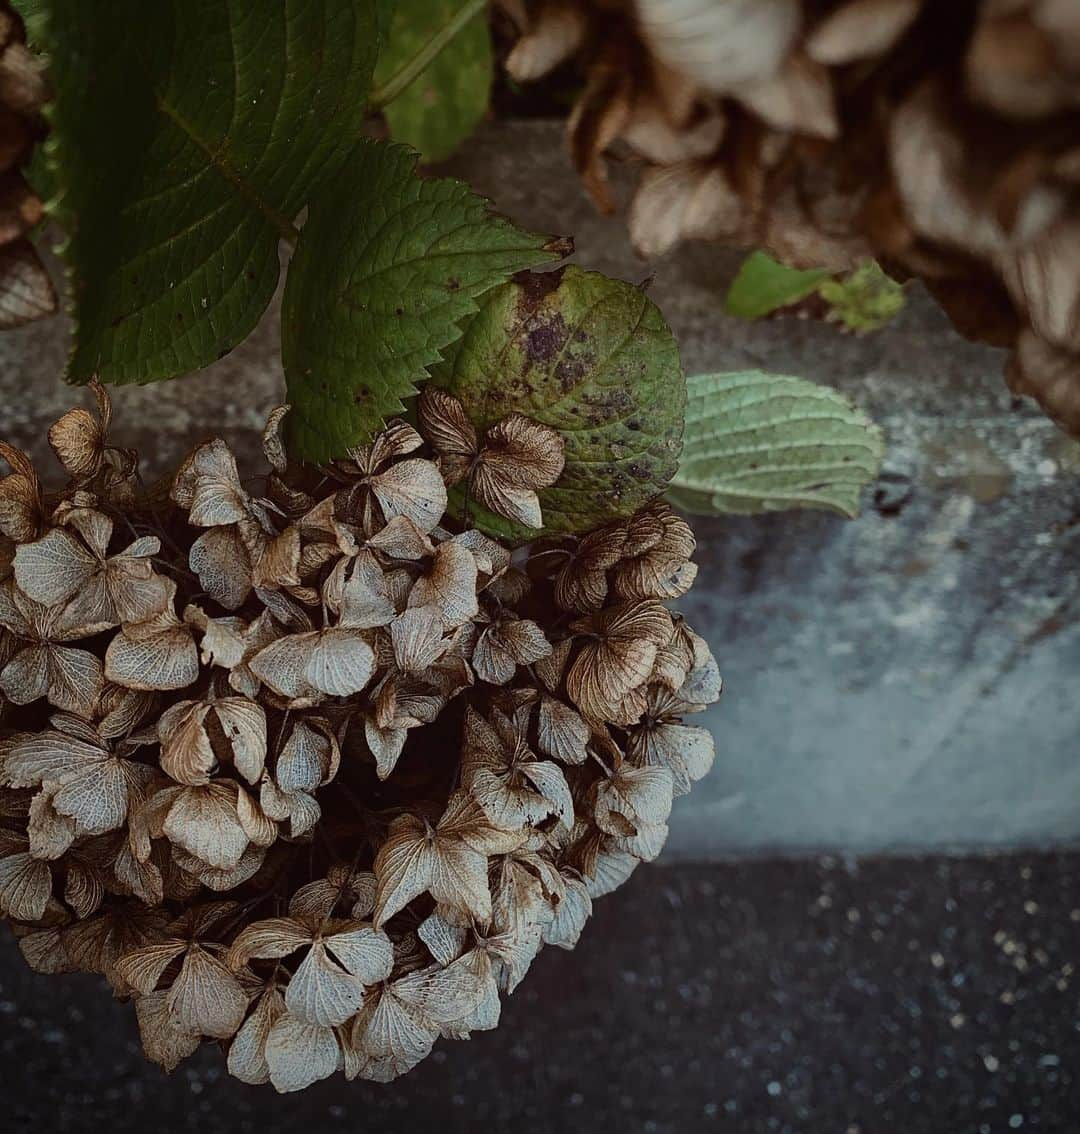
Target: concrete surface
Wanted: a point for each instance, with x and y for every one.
(905, 681)
(812, 997)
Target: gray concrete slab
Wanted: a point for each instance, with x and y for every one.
(907, 680)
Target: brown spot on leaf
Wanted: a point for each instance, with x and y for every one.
(537, 286)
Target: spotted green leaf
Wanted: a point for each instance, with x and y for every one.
(593, 358)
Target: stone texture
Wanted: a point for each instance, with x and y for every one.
(913, 996)
(906, 680)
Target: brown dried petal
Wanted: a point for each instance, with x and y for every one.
(450, 585)
(519, 457)
(617, 658)
(163, 1040)
(446, 427)
(206, 998)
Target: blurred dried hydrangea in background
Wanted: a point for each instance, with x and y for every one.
(940, 138)
(26, 292)
(308, 767)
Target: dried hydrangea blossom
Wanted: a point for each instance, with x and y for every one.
(940, 138)
(307, 767)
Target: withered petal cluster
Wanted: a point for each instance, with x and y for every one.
(941, 138)
(306, 766)
(26, 291)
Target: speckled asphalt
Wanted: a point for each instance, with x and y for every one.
(872, 997)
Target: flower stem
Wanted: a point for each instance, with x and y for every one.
(411, 70)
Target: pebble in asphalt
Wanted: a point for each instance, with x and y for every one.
(786, 997)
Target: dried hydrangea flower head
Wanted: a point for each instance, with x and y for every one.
(305, 765)
(940, 138)
(26, 292)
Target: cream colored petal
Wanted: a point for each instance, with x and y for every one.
(720, 45)
(450, 585)
(365, 952)
(268, 940)
(203, 821)
(221, 561)
(282, 665)
(562, 732)
(340, 663)
(95, 796)
(300, 1054)
(572, 912)
(412, 488)
(52, 569)
(206, 998)
(244, 724)
(321, 991)
(247, 1054)
(75, 679)
(163, 661)
(187, 756)
(418, 640)
(403, 867)
(144, 967)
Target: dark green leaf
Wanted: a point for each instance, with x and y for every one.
(764, 442)
(593, 358)
(441, 108)
(186, 136)
(764, 285)
(387, 267)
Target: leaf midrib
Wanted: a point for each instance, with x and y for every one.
(286, 229)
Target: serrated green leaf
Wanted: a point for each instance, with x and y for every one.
(865, 300)
(441, 108)
(593, 358)
(764, 285)
(386, 268)
(186, 135)
(760, 442)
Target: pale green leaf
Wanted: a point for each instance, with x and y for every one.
(386, 268)
(865, 300)
(441, 108)
(592, 358)
(760, 442)
(186, 136)
(764, 285)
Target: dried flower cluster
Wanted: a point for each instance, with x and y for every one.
(941, 138)
(314, 770)
(26, 292)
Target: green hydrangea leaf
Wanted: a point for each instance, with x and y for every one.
(764, 285)
(441, 108)
(592, 358)
(387, 267)
(760, 442)
(865, 300)
(186, 136)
